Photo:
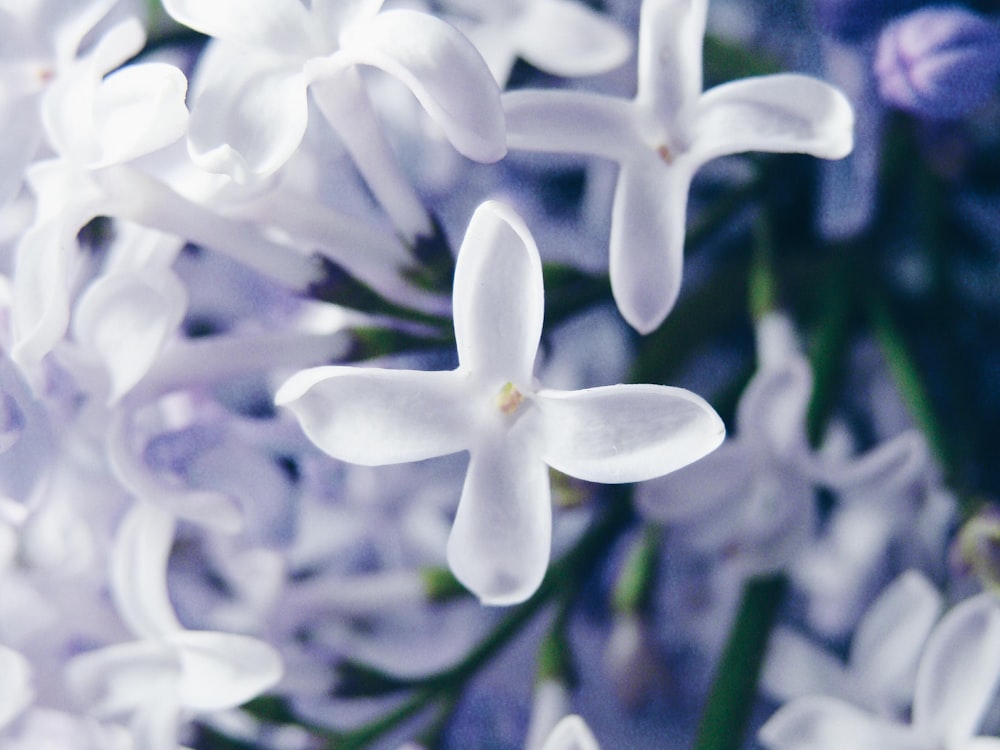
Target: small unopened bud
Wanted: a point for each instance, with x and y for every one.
(978, 547)
(938, 62)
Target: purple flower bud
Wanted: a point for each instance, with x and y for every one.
(852, 20)
(938, 62)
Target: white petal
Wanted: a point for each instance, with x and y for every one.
(249, 120)
(888, 468)
(982, 743)
(571, 733)
(498, 296)
(818, 723)
(960, 671)
(223, 670)
(139, 571)
(890, 638)
(784, 113)
(670, 42)
(442, 69)
(16, 692)
(796, 668)
(126, 318)
(569, 39)
(625, 433)
(45, 261)
(702, 488)
(139, 109)
(772, 410)
(648, 222)
(118, 679)
(570, 122)
(281, 26)
(500, 542)
(375, 417)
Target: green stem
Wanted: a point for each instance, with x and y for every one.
(727, 712)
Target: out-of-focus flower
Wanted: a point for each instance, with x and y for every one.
(253, 112)
(956, 683)
(881, 668)
(491, 406)
(665, 134)
(939, 62)
(561, 37)
(170, 670)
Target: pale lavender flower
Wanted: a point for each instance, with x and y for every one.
(956, 683)
(490, 406)
(664, 135)
(153, 683)
(251, 115)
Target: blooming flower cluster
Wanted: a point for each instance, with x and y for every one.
(545, 374)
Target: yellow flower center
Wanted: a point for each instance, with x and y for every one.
(508, 398)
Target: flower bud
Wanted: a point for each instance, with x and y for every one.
(938, 62)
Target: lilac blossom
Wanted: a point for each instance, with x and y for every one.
(664, 135)
(490, 406)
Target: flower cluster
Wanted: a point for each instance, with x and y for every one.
(545, 374)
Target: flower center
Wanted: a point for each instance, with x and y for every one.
(508, 399)
(664, 154)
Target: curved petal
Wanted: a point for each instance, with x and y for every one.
(500, 543)
(569, 39)
(960, 671)
(119, 679)
(648, 221)
(40, 310)
(281, 26)
(442, 69)
(571, 733)
(249, 120)
(785, 113)
(818, 723)
(498, 296)
(625, 433)
(139, 109)
(571, 122)
(139, 571)
(772, 410)
(125, 319)
(701, 488)
(375, 417)
(888, 468)
(223, 670)
(890, 638)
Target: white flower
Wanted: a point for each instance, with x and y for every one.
(170, 669)
(252, 114)
(491, 407)
(665, 134)
(881, 667)
(752, 501)
(561, 37)
(956, 684)
(571, 733)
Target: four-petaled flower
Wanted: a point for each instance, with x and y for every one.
(491, 406)
(665, 134)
